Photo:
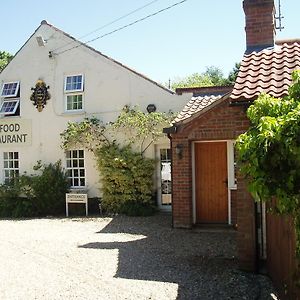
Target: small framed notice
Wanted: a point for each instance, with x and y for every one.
(76, 198)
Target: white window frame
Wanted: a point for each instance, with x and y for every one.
(16, 90)
(11, 169)
(17, 103)
(73, 95)
(74, 90)
(77, 168)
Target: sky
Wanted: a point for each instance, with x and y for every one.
(173, 44)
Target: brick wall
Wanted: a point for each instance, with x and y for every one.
(223, 122)
(260, 24)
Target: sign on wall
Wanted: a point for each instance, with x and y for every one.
(15, 132)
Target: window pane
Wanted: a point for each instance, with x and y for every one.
(76, 182)
(82, 182)
(82, 173)
(81, 163)
(74, 153)
(5, 155)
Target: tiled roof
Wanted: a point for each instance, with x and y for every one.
(267, 71)
(196, 104)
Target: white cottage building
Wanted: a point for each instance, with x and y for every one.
(82, 83)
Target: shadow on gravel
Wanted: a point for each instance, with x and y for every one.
(203, 264)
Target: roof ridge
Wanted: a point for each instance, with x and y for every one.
(44, 22)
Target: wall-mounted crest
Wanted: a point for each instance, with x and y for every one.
(40, 95)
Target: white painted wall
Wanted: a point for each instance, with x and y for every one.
(108, 86)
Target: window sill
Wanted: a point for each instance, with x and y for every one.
(73, 112)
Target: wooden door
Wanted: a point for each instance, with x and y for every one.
(211, 182)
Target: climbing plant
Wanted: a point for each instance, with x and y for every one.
(125, 174)
(90, 133)
(269, 152)
(139, 128)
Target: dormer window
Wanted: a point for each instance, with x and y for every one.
(74, 86)
(10, 99)
(10, 89)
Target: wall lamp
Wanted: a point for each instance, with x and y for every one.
(151, 108)
(179, 150)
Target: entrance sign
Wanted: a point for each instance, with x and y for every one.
(76, 198)
(15, 132)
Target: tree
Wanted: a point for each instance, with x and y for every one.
(269, 152)
(5, 58)
(234, 73)
(212, 76)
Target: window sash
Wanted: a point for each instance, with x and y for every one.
(74, 102)
(10, 89)
(74, 83)
(9, 107)
(10, 166)
(75, 167)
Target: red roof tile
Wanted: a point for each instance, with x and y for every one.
(267, 71)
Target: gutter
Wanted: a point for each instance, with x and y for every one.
(170, 130)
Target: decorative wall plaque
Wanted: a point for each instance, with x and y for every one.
(40, 95)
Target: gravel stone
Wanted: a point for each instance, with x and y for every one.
(121, 258)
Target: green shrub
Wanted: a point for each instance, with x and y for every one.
(126, 179)
(35, 195)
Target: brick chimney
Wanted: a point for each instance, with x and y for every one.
(260, 24)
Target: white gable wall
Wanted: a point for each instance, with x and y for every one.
(108, 86)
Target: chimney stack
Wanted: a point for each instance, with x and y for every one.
(260, 24)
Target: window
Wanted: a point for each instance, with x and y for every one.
(9, 106)
(75, 168)
(10, 89)
(74, 93)
(10, 166)
(74, 102)
(74, 83)
(10, 103)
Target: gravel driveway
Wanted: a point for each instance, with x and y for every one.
(121, 258)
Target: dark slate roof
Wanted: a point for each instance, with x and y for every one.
(267, 71)
(203, 97)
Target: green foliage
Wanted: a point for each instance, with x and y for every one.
(35, 195)
(126, 176)
(212, 76)
(234, 73)
(5, 58)
(139, 127)
(89, 132)
(269, 152)
(126, 180)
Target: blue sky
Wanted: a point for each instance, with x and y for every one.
(175, 43)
